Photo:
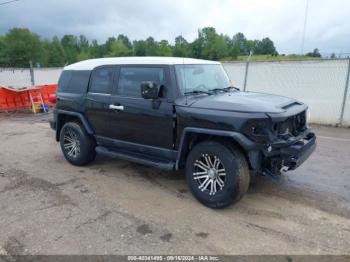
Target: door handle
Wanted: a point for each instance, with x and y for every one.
(118, 108)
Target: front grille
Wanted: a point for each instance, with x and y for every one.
(293, 126)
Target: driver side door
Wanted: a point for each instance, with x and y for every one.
(147, 123)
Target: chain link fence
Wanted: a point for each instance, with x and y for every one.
(322, 84)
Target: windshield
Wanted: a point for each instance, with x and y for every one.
(201, 78)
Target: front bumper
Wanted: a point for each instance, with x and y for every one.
(290, 154)
(294, 155)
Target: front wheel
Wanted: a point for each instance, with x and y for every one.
(77, 146)
(217, 175)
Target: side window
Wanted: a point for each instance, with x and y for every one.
(130, 79)
(63, 82)
(75, 82)
(102, 80)
(79, 82)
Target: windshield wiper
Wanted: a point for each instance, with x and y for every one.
(226, 89)
(196, 92)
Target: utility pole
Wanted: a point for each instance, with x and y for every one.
(31, 73)
(345, 96)
(246, 71)
(304, 28)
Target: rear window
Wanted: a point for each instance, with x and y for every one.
(102, 80)
(63, 82)
(75, 82)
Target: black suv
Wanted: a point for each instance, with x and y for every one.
(175, 113)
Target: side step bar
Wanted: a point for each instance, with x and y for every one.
(137, 158)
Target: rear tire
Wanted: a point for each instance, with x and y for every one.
(217, 175)
(77, 146)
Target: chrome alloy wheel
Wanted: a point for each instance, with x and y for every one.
(71, 143)
(210, 174)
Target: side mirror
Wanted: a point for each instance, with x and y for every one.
(149, 90)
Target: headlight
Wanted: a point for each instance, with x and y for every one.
(259, 130)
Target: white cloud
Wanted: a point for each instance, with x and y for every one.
(281, 20)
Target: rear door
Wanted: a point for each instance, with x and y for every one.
(98, 99)
(141, 121)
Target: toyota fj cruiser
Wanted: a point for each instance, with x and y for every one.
(175, 113)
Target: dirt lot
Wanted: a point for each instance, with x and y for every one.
(116, 207)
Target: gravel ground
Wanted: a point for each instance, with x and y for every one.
(117, 207)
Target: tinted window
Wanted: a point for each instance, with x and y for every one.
(101, 80)
(74, 81)
(130, 79)
(63, 82)
(79, 82)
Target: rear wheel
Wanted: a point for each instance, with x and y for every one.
(77, 146)
(217, 175)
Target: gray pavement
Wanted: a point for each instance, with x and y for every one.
(116, 207)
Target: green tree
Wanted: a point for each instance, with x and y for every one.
(250, 45)
(181, 48)
(315, 53)
(95, 50)
(197, 47)
(234, 50)
(208, 34)
(151, 47)
(107, 47)
(265, 47)
(118, 49)
(55, 53)
(83, 44)
(83, 56)
(140, 48)
(21, 46)
(70, 47)
(3, 61)
(125, 41)
(240, 42)
(220, 48)
(215, 46)
(164, 48)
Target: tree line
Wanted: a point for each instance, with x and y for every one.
(20, 46)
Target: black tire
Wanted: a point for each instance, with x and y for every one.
(85, 152)
(236, 181)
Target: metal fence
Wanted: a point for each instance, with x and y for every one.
(23, 77)
(322, 84)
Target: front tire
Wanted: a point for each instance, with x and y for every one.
(77, 146)
(217, 175)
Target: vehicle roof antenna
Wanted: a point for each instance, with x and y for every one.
(184, 74)
(184, 70)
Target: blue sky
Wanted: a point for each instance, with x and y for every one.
(328, 25)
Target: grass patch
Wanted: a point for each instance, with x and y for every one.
(273, 58)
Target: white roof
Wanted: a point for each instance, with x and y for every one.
(145, 60)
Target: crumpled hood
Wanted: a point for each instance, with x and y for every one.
(244, 102)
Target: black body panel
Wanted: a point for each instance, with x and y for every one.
(270, 130)
(142, 121)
